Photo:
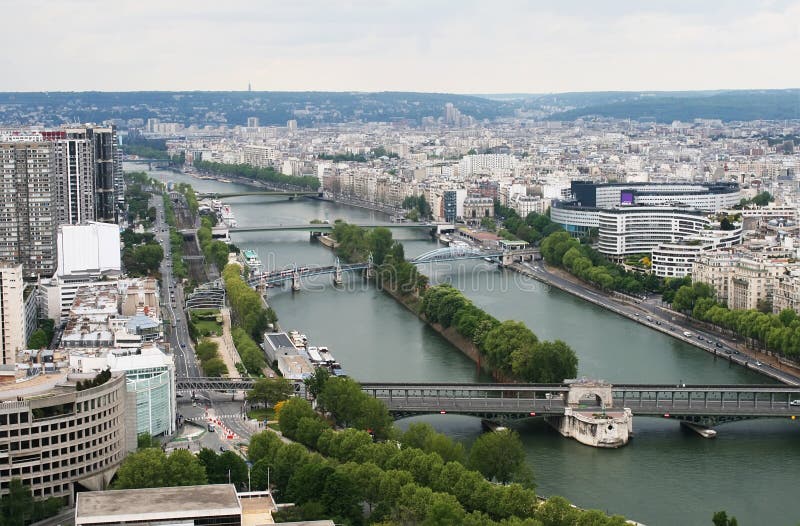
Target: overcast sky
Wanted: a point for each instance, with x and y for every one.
(463, 46)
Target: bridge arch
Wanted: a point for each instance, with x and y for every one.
(454, 252)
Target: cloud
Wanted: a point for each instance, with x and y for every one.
(466, 46)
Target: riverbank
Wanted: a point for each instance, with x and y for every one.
(661, 320)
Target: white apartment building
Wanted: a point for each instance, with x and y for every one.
(675, 260)
(483, 163)
(526, 204)
(260, 156)
(12, 313)
(639, 229)
(786, 293)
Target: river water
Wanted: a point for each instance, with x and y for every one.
(665, 476)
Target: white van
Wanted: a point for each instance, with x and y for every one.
(687, 334)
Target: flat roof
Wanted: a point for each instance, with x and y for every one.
(124, 505)
(279, 339)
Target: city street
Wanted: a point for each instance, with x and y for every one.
(650, 313)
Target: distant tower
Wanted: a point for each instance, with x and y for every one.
(249, 87)
(291, 125)
(252, 122)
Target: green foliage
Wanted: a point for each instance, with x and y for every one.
(268, 174)
(38, 340)
(18, 507)
(509, 347)
(152, 468)
(101, 378)
(224, 468)
(145, 440)
(350, 406)
(561, 250)
(343, 157)
(291, 413)
(142, 260)
(251, 354)
(146, 148)
(500, 456)
(316, 381)
(248, 308)
(422, 436)
(215, 251)
(721, 518)
(204, 323)
(269, 391)
(417, 204)
(778, 333)
(214, 367)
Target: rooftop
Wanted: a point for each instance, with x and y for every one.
(94, 507)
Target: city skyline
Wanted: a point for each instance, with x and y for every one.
(467, 47)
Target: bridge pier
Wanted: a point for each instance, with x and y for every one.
(337, 274)
(296, 281)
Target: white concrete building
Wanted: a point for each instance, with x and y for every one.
(91, 249)
(639, 229)
(12, 313)
(676, 260)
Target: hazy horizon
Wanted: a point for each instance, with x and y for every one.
(467, 47)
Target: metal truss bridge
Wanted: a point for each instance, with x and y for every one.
(705, 405)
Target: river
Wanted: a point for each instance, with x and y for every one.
(665, 476)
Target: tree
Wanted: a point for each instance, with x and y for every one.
(292, 411)
(184, 469)
(552, 362)
(380, 241)
(263, 446)
(316, 382)
(489, 224)
(342, 397)
(721, 518)
(152, 468)
(38, 340)
(146, 440)
(505, 339)
(500, 456)
(214, 367)
(17, 505)
(423, 436)
(556, 511)
(269, 391)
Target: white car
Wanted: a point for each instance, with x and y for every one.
(794, 402)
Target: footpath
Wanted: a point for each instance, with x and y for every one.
(227, 350)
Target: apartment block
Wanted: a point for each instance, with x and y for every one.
(12, 313)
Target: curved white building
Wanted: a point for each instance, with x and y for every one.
(582, 212)
(54, 436)
(639, 229)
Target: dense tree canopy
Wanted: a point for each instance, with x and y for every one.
(268, 174)
(152, 468)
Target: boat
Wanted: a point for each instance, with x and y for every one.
(250, 259)
(227, 217)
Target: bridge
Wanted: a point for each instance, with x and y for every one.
(151, 163)
(327, 227)
(260, 279)
(291, 194)
(705, 405)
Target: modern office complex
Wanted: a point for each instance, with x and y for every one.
(56, 434)
(582, 212)
(639, 229)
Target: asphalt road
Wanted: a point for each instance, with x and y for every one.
(666, 321)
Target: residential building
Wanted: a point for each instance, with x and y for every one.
(28, 210)
(526, 204)
(12, 313)
(786, 293)
(676, 260)
(741, 280)
(91, 249)
(476, 208)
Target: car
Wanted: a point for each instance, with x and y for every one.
(736, 352)
(727, 351)
(718, 344)
(658, 323)
(699, 337)
(794, 402)
(183, 346)
(758, 364)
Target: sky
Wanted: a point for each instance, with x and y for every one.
(463, 46)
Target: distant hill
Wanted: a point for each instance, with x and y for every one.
(742, 105)
(313, 108)
(233, 108)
